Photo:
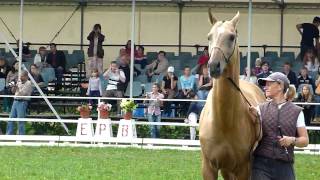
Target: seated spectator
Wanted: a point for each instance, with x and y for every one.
(308, 110)
(124, 65)
(265, 71)
(41, 58)
(310, 61)
(19, 107)
(34, 71)
(140, 57)
(252, 78)
(202, 61)
(204, 84)
(116, 78)
(4, 68)
(257, 69)
(25, 50)
(57, 60)
(122, 52)
(193, 114)
(11, 81)
(154, 111)
(289, 73)
(94, 86)
(169, 88)
(128, 48)
(187, 83)
(304, 78)
(158, 66)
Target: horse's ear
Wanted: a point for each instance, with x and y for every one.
(212, 19)
(235, 19)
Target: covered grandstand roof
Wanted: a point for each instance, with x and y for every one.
(290, 4)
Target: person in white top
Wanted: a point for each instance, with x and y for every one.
(116, 79)
(94, 86)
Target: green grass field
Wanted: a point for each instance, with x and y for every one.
(116, 163)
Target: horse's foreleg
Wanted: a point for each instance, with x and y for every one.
(227, 175)
(208, 172)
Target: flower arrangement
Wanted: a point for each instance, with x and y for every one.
(104, 109)
(128, 106)
(84, 110)
(102, 106)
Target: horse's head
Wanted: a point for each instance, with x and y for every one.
(222, 43)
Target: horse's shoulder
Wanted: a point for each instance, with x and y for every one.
(252, 92)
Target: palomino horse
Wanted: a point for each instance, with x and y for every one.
(228, 130)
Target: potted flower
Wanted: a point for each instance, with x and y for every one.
(84, 110)
(127, 106)
(104, 109)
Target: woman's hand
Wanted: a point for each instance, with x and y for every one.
(286, 141)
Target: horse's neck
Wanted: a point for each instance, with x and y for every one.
(226, 98)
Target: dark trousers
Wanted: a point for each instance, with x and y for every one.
(304, 48)
(94, 94)
(270, 169)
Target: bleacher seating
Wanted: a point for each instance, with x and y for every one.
(136, 90)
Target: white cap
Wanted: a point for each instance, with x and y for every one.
(171, 69)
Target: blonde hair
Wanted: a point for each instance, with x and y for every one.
(290, 93)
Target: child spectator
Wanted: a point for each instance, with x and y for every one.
(257, 69)
(193, 115)
(154, 111)
(94, 86)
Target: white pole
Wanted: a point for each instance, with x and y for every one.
(20, 38)
(133, 17)
(249, 38)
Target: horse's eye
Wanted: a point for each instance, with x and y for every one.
(232, 37)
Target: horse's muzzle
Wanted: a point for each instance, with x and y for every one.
(215, 70)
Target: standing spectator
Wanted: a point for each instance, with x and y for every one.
(94, 86)
(4, 68)
(95, 50)
(19, 107)
(308, 110)
(57, 60)
(265, 72)
(154, 111)
(11, 81)
(204, 84)
(158, 66)
(304, 78)
(41, 58)
(169, 88)
(193, 114)
(122, 52)
(116, 78)
(289, 73)
(140, 57)
(309, 33)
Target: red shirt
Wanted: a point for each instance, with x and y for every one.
(203, 59)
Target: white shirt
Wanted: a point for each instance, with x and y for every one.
(114, 79)
(300, 121)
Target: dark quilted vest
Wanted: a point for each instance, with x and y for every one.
(272, 117)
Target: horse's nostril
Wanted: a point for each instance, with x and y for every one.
(218, 65)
